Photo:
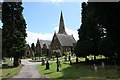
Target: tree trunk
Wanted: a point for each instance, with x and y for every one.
(76, 59)
(86, 59)
(94, 58)
(118, 59)
(16, 61)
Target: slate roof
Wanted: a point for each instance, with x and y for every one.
(65, 40)
(47, 42)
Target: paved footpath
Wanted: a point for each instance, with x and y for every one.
(29, 70)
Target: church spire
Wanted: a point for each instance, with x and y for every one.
(38, 40)
(61, 25)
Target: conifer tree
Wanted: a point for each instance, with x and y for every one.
(14, 30)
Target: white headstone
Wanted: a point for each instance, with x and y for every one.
(103, 65)
(95, 68)
(2, 62)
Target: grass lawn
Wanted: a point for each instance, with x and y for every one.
(79, 71)
(34, 61)
(60, 58)
(10, 72)
(0, 73)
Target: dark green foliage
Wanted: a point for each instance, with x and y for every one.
(45, 50)
(89, 32)
(84, 48)
(100, 24)
(13, 30)
(38, 48)
(107, 47)
(33, 47)
(108, 15)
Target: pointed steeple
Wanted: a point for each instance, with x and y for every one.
(61, 25)
(38, 40)
(61, 17)
(38, 43)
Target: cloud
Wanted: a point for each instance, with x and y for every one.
(56, 1)
(69, 32)
(32, 36)
(72, 32)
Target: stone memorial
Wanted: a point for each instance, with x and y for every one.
(65, 58)
(103, 65)
(43, 61)
(70, 62)
(47, 65)
(95, 68)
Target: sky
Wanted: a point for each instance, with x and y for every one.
(43, 18)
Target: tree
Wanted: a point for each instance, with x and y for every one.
(45, 50)
(89, 32)
(84, 48)
(38, 48)
(14, 30)
(6, 30)
(107, 47)
(108, 15)
(33, 49)
(96, 17)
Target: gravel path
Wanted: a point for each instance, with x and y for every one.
(29, 70)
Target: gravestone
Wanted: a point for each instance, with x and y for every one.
(53, 58)
(4, 59)
(70, 62)
(103, 65)
(4, 66)
(69, 57)
(59, 64)
(2, 62)
(9, 63)
(19, 61)
(46, 59)
(95, 68)
(47, 65)
(35, 58)
(65, 58)
(43, 61)
(32, 58)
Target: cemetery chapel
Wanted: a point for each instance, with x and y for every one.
(62, 41)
